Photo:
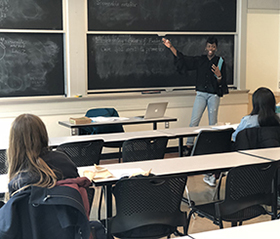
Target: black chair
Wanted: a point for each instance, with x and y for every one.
(144, 149)
(104, 129)
(258, 137)
(139, 150)
(3, 167)
(213, 141)
(248, 189)
(148, 207)
(84, 153)
(3, 160)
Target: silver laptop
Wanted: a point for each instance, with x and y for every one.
(155, 110)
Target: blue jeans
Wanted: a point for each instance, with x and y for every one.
(203, 99)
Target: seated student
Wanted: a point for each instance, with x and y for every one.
(30, 162)
(263, 113)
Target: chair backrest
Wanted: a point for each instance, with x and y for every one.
(248, 186)
(147, 203)
(84, 153)
(45, 213)
(258, 137)
(144, 149)
(213, 141)
(105, 112)
(3, 160)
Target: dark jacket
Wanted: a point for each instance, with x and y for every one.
(41, 213)
(205, 78)
(258, 137)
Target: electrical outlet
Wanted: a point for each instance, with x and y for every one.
(166, 125)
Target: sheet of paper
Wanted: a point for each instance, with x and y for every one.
(119, 173)
(107, 119)
(234, 126)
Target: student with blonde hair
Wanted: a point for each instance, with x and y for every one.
(30, 161)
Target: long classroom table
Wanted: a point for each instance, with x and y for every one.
(261, 230)
(179, 133)
(133, 120)
(172, 166)
(272, 154)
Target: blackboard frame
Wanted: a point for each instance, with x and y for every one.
(111, 78)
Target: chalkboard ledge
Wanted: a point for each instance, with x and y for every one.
(108, 96)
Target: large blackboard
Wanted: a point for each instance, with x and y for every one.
(142, 61)
(162, 15)
(31, 64)
(31, 14)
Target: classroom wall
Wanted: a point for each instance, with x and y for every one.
(51, 109)
(263, 47)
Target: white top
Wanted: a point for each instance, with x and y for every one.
(248, 121)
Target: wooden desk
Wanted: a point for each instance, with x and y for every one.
(134, 120)
(272, 154)
(174, 166)
(269, 229)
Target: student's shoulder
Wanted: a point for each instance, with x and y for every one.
(251, 120)
(54, 155)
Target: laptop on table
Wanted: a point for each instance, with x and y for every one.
(155, 110)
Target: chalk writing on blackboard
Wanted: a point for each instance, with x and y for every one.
(31, 14)
(162, 15)
(142, 61)
(28, 63)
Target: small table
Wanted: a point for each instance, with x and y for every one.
(134, 120)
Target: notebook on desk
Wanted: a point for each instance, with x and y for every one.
(155, 110)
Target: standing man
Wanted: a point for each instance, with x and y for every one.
(211, 81)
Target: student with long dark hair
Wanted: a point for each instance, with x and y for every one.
(263, 113)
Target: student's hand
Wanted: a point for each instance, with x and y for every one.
(216, 71)
(166, 42)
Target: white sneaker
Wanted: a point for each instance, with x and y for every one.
(210, 180)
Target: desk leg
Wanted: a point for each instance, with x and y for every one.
(181, 147)
(108, 198)
(155, 126)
